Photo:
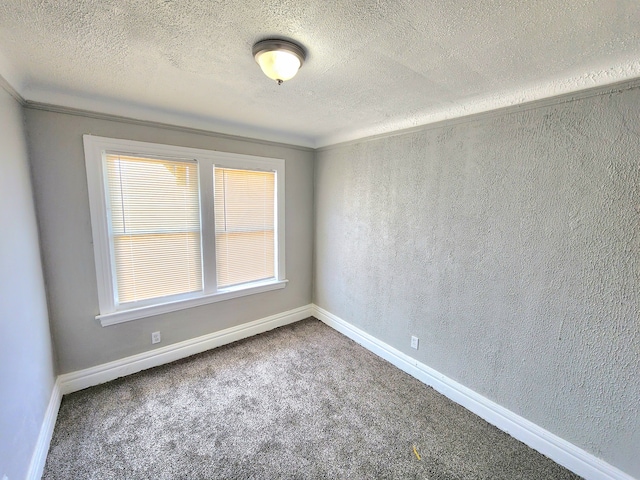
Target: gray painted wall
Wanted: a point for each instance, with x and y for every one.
(63, 213)
(510, 245)
(26, 360)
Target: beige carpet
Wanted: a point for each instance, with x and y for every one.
(301, 401)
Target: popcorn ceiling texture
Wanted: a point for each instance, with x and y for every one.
(510, 246)
(373, 67)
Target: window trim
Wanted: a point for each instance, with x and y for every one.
(110, 313)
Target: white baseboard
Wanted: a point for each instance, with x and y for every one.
(74, 381)
(39, 457)
(536, 437)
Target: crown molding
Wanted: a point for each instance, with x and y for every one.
(599, 90)
(4, 84)
(48, 107)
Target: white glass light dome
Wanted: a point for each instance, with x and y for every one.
(279, 60)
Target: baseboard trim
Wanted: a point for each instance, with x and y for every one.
(74, 381)
(536, 437)
(39, 457)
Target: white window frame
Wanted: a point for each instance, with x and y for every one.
(96, 148)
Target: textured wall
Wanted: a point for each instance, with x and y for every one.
(62, 202)
(26, 360)
(510, 245)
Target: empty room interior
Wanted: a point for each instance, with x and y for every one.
(298, 239)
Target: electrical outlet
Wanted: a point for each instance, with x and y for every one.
(4, 477)
(414, 342)
(155, 337)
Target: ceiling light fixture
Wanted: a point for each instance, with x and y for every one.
(278, 59)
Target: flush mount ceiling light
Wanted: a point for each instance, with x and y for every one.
(278, 59)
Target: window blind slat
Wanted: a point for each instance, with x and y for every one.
(245, 223)
(155, 223)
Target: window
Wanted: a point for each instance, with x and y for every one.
(176, 227)
(154, 213)
(244, 214)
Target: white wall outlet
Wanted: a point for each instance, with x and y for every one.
(4, 477)
(155, 337)
(414, 342)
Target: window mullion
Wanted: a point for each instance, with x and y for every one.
(279, 207)
(208, 225)
(163, 227)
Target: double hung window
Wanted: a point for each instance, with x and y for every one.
(176, 227)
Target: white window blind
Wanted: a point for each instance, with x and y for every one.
(157, 247)
(245, 222)
(154, 215)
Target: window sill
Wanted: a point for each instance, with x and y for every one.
(158, 309)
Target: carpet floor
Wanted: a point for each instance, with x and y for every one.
(301, 401)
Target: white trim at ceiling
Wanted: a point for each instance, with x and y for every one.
(498, 112)
(148, 123)
(11, 91)
(10, 79)
(618, 77)
(139, 112)
(555, 90)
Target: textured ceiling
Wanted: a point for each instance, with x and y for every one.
(373, 66)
